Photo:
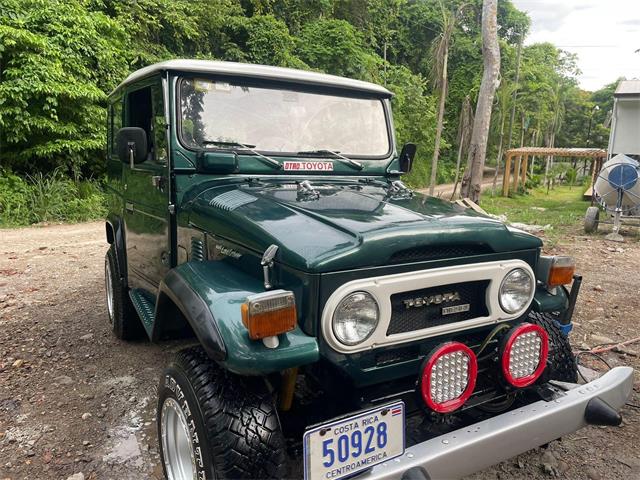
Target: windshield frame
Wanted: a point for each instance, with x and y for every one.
(276, 85)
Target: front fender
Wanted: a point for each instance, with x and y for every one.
(543, 301)
(209, 295)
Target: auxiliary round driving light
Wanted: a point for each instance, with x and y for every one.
(448, 377)
(524, 354)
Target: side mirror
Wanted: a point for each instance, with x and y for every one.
(131, 145)
(407, 154)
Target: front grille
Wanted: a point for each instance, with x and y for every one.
(437, 252)
(407, 319)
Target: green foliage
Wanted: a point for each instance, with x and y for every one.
(59, 59)
(334, 46)
(48, 198)
(415, 118)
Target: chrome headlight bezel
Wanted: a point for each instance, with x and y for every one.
(526, 295)
(339, 331)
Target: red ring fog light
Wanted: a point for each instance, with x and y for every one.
(524, 354)
(448, 377)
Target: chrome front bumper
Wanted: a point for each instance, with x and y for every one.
(486, 443)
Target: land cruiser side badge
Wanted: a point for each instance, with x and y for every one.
(309, 166)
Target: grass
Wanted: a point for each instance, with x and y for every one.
(563, 207)
(48, 198)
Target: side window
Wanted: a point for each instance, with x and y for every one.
(159, 126)
(145, 109)
(139, 113)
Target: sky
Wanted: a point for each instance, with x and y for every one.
(603, 33)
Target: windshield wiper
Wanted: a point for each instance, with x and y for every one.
(347, 160)
(227, 144)
(244, 146)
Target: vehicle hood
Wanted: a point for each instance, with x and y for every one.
(340, 227)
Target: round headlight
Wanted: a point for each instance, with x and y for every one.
(356, 318)
(516, 290)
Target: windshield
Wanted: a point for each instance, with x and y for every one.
(218, 114)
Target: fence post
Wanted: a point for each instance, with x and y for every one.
(507, 175)
(525, 165)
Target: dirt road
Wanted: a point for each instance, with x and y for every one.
(446, 189)
(74, 399)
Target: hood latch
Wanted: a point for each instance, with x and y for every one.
(267, 264)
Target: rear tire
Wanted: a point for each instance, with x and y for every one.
(124, 319)
(234, 426)
(563, 363)
(591, 220)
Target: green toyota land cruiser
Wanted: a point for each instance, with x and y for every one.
(336, 323)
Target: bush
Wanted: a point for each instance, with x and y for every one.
(48, 198)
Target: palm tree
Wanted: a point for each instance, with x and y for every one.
(464, 135)
(440, 55)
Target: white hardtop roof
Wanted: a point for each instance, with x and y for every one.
(628, 88)
(265, 72)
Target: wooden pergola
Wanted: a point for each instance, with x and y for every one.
(522, 155)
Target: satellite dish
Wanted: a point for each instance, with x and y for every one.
(617, 189)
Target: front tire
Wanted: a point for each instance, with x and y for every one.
(124, 319)
(563, 365)
(233, 430)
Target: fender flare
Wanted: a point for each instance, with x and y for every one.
(174, 288)
(114, 230)
(209, 295)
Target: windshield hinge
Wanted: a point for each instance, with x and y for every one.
(267, 264)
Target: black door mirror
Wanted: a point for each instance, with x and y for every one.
(406, 157)
(131, 145)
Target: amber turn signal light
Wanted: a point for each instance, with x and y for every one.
(561, 271)
(269, 314)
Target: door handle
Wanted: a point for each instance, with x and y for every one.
(129, 207)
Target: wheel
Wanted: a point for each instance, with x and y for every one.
(124, 319)
(213, 424)
(591, 219)
(563, 363)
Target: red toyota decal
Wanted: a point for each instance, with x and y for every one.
(309, 166)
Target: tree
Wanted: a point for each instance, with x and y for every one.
(440, 53)
(57, 61)
(472, 182)
(464, 136)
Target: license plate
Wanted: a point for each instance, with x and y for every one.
(346, 446)
(456, 309)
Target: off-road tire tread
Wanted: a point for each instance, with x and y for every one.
(242, 423)
(563, 363)
(126, 322)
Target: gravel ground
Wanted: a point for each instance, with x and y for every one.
(73, 399)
